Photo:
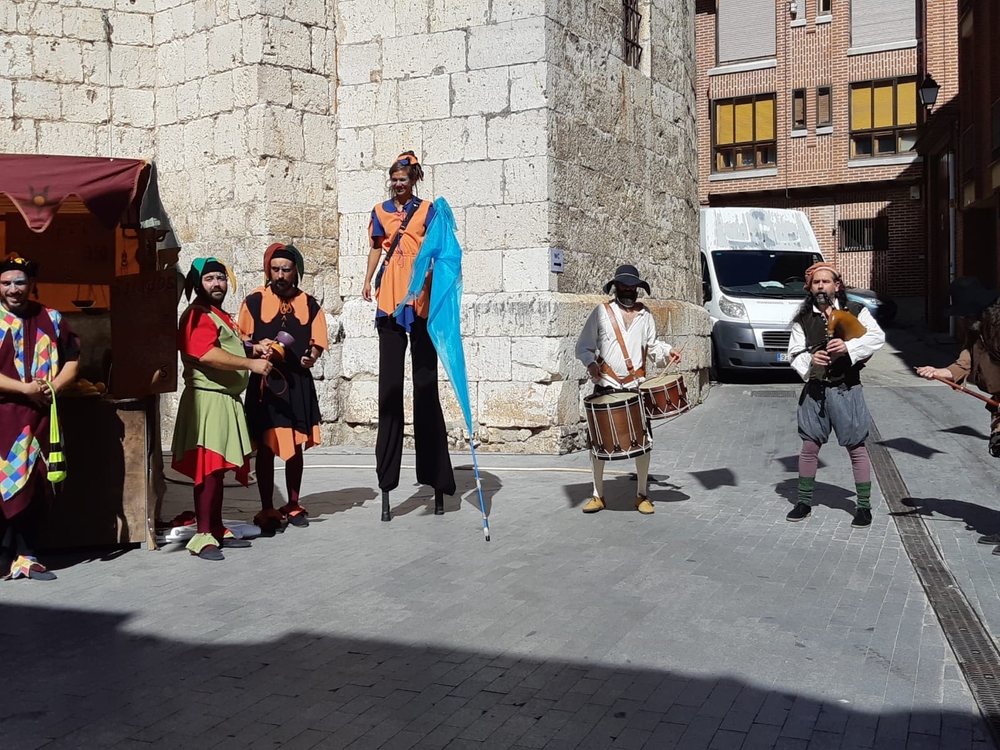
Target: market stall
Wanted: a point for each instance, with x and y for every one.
(100, 236)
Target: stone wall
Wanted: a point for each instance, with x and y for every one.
(277, 121)
(528, 121)
(234, 101)
(245, 134)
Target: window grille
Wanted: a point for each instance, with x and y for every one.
(863, 235)
(631, 20)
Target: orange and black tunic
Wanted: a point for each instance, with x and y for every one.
(284, 414)
(384, 224)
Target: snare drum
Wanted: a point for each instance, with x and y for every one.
(617, 426)
(664, 396)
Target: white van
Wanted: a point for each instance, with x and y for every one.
(753, 263)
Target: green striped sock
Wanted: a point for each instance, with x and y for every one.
(806, 485)
(864, 494)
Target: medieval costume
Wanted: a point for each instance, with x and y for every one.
(616, 335)
(283, 410)
(832, 398)
(979, 360)
(396, 230)
(37, 350)
(210, 432)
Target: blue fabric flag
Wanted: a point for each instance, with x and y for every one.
(441, 250)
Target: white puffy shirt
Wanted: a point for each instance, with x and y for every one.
(857, 349)
(598, 339)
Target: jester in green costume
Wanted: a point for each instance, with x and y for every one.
(210, 433)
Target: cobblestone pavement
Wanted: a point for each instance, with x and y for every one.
(711, 624)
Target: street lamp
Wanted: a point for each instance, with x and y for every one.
(928, 91)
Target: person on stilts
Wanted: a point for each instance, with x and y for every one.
(397, 229)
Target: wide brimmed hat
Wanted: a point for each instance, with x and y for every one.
(969, 297)
(627, 276)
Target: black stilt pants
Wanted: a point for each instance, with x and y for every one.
(429, 434)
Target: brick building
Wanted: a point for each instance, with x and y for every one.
(812, 104)
(964, 231)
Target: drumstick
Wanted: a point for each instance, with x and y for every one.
(671, 363)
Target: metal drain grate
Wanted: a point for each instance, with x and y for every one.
(775, 393)
(975, 650)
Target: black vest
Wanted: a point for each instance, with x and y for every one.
(841, 371)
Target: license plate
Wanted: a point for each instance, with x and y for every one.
(783, 356)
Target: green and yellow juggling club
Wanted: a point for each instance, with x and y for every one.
(57, 461)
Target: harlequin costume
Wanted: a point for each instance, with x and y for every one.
(34, 345)
(283, 411)
(210, 432)
(430, 436)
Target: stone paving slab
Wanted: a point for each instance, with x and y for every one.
(711, 624)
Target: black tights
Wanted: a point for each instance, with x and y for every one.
(430, 436)
(18, 535)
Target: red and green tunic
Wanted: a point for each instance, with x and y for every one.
(210, 432)
(34, 346)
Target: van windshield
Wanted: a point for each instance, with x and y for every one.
(762, 273)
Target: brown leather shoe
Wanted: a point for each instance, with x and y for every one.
(594, 504)
(643, 505)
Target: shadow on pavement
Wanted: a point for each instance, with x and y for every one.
(911, 446)
(967, 431)
(619, 492)
(916, 346)
(829, 495)
(336, 501)
(763, 376)
(715, 478)
(465, 490)
(977, 518)
(84, 681)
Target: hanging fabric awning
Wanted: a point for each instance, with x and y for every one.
(38, 185)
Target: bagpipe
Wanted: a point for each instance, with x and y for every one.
(843, 324)
(840, 324)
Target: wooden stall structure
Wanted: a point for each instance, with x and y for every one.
(97, 230)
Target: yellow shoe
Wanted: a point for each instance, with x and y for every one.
(643, 505)
(595, 504)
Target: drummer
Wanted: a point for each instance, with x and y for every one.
(616, 340)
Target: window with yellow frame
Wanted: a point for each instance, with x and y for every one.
(883, 117)
(744, 133)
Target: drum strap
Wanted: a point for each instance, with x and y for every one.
(633, 374)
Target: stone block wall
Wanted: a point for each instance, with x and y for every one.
(527, 119)
(65, 90)
(234, 101)
(276, 121)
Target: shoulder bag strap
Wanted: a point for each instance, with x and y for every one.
(395, 241)
(621, 339)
